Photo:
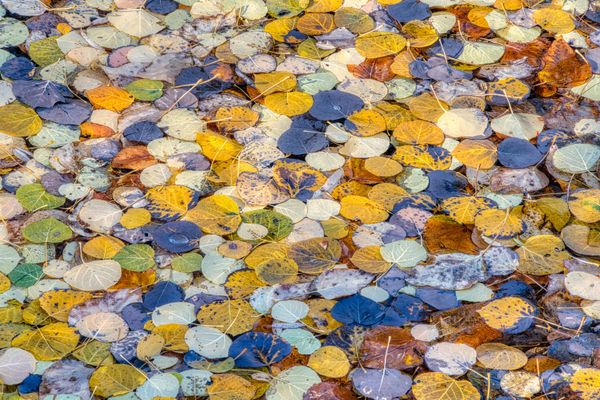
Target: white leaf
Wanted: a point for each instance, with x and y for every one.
(135, 22)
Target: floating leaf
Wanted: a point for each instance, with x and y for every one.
(48, 230)
(110, 98)
(50, 342)
(19, 120)
(439, 386)
(508, 314)
(115, 380)
(135, 257)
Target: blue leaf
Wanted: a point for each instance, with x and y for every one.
(161, 6)
(143, 132)
(410, 307)
(518, 153)
(409, 10)
(445, 184)
(162, 293)
(357, 309)
(40, 93)
(75, 112)
(18, 68)
(438, 298)
(258, 349)
(331, 105)
(303, 136)
(177, 236)
(136, 315)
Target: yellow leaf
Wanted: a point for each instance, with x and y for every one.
(369, 259)
(362, 209)
(94, 353)
(499, 224)
(169, 202)
(542, 255)
(355, 20)
(586, 381)
(231, 119)
(329, 361)
(585, 205)
(149, 346)
(115, 380)
(241, 284)
(217, 214)
(50, 342)
(135, 218)
(271, 82)
(478, 154)
(379, 44)
(383, 166)
(257, 189)
(230, 387)
(365, 122)
(266, 252)
(103, 247)
(500, 356)
(4, 283)
(423, 156)
(324, 5)
(279, 28)
(217, 147)
(315, 23)
(316, 255)
(58, 303)
(554, 20)
(555, 210)
(19, 120)
(438, 386)
(464, 209)
(387, 194)
(420, 33)
(273, 271)
(289, 104)
(174, 336)
(418, 132)
(110, 98)
(427, 107)
(506, 313)
(233, 317)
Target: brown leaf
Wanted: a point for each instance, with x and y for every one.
(134, 157)
(468, 28)
(391, 347)
(532, 52)
(563, 67)
(373, 68)
(443, 235)
(464, 325)
(329, 391)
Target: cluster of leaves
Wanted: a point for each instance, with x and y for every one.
(299, 199)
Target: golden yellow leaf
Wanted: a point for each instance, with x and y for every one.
(289, 103)
(103, 247)
(329, 361)
(230, 316)
(58, 303)
(217, 147)
(110, 98)
(50, 342)
(359, 208)
(478, 154)
(418, 132)
(438, 386)
(379, 44)
(115, 380)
